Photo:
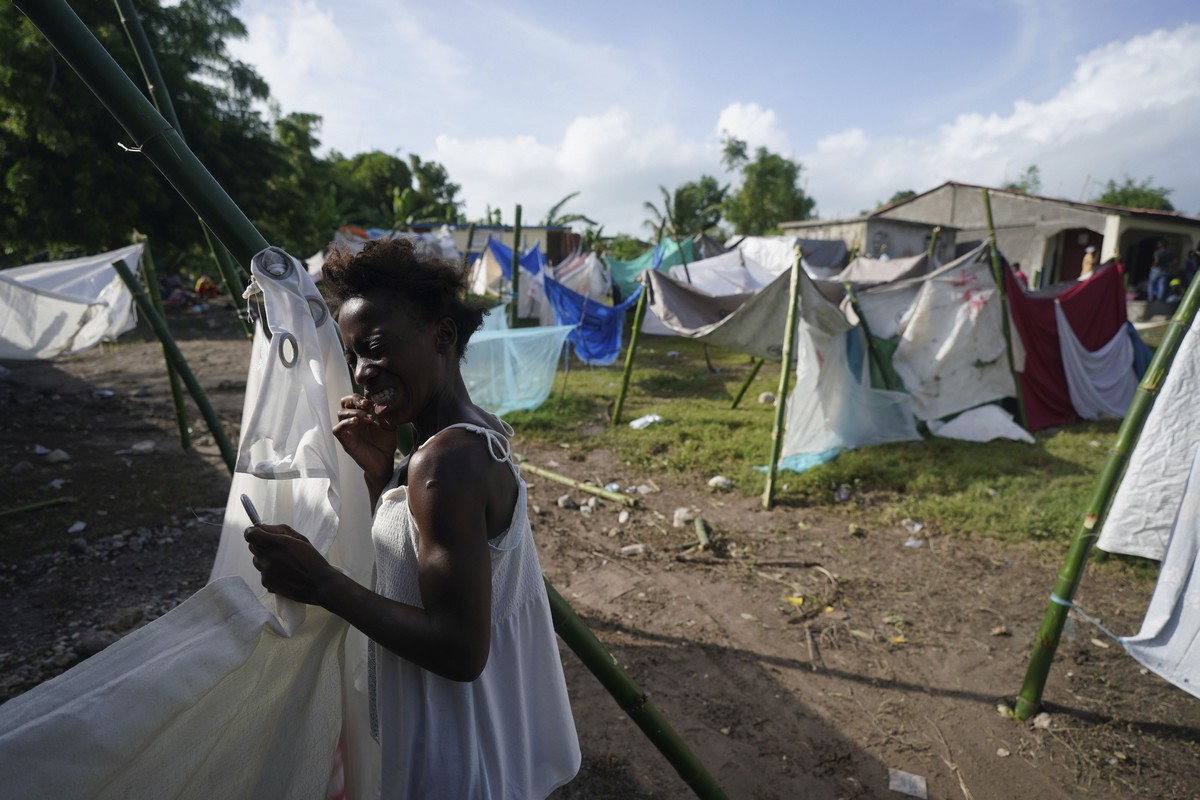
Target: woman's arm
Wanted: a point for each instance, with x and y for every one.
(451, 635)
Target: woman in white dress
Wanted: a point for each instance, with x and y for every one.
(471, 698)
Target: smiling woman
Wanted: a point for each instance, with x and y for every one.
(471, 696)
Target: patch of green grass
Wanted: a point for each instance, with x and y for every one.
(1007, 490)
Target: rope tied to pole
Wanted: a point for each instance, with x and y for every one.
(1088, 618)
(154, 135)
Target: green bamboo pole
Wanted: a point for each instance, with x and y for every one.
(785, 375)
(151, 277)
(758, 362)
(467, 249)
(933, 237)
(638, 315)
(582, 486)
(179, 362)
(998, 275)
(57, 501)
(1069, 577)
(516, 270)
(153, 136)
(630, 697)
(156, 87)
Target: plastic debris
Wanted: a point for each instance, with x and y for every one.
(720, 483)
(843, 493)
(766, 398)
(672, 354)
(1042, 721)
(907, 783)
(796, 600)
(143, 447)
(38, 450)
(644, 488)
(1000, 751)
(612, 487)
(568, 502)
(633, 549)
(683, 516)
(645, 422)
(57, 457)
(57, 483)
(587, 510)
(77, 527)
(914, 542)
(103, 394)
(623, 517)
(912, 526)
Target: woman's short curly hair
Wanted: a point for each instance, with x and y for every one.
(429, 287)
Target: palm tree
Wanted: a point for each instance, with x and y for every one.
(555, 220)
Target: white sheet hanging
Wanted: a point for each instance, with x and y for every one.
(1101, 383)
(1139, 521)
(57, 308)
(1169, 640)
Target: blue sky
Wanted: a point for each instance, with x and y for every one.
(527, 101)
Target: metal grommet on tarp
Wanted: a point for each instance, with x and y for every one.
(288, 342)
(318, 309)
(275, 262)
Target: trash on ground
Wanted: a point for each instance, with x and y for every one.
(38, 450)
(57, 483)
(623, 517)
(77, 527)
(911, 525)
(633, 549)
(57, 457)
(103, 394)
(766, 398)
(612, 487)
(907, 783)
(842, 494)
(683, 516)
(720, 483)
(645, 422)
(144, 446)
(568, 502)
(1042, 721)
(914, 542)
(1000, 751)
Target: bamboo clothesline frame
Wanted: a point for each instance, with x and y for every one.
(151, 277)
(163, 145)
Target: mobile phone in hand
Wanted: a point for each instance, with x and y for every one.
(251, 511)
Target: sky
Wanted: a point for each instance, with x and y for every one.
(527, 101)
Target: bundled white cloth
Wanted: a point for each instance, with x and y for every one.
(1101, 383)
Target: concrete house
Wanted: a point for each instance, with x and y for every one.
(1046, 236)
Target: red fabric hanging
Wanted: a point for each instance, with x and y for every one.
(1095, 308)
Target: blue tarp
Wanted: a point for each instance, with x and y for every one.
(532, 260)
(597, 334)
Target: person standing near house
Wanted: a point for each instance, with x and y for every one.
(1089, 263)
(1156, 287)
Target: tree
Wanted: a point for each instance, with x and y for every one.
(69, 190)
(556, 219)
(770, 191)
(1137, 195)
(691, 209)
(367, 184)
(625, 248)
(1030, 181)
(897, 197)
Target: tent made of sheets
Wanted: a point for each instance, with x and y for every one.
(57, 308)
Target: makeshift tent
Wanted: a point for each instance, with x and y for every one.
(708, 247)
(724, 275)
(491, 274)
(586, 274)
(595, 327)
(512, 369)
(240, 694)
(666, 253)
(57, 308)
(1079, 355)
(822, 259)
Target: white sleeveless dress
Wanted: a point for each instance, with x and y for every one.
(507, 734)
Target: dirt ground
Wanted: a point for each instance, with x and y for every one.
(809, 652)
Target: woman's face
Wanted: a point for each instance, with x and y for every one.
(398, 360)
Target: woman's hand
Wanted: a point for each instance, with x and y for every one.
(365, 438)
(289, 564)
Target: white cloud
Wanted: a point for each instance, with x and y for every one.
(755, 125)
(615, 163)
(1130, 107)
